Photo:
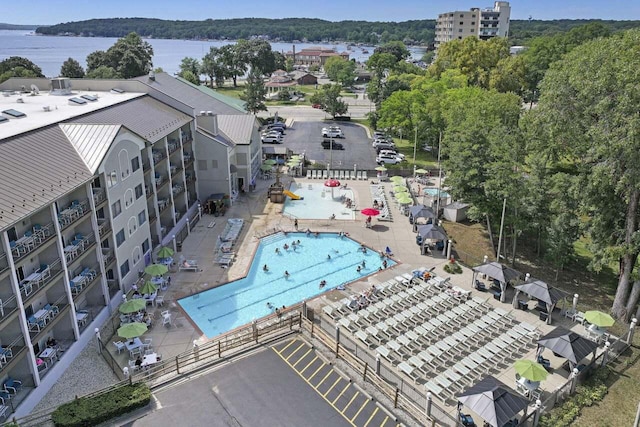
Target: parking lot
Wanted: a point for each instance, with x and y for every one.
(307, 136)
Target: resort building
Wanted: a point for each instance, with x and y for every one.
(481, 23)
(93, 175)
(314, 55)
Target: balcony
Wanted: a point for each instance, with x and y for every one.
(148, 190)
(78, 246)
(99, 196)
(160, 181)
(73, 213)
(8, 306)
(4, 264)
(177, 189)
(108, 257)
(163, 204)
(104, 226)
(174, 169)
(87, 277)
(11, 352)
(31, 241)
(39, 279)
(190, 177)
(158, 156)
(173, 145)
(114, 287)
(45, 318)
(188, 159)
(187, 137)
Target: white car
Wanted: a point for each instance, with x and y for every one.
(382, 141)
(388, 159)
(392, 153)
(332, 132)
(273, 139)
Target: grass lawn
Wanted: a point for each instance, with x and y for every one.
(424, 159)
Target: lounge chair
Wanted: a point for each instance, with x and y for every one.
(188, 265)
(308, 173)
(353, 175)
(325, 174)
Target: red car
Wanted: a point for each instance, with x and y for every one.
(317, 106)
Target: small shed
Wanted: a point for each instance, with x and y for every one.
(456, 211)
(303, 78)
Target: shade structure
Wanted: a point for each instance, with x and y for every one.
(497, 271)
(156, 269)
(132, 306)
(599, 318)
(269, 162)
(332, 183)
(400, 189)
(493, 401)
(421, 211)
(421, 170)
(432, 232)
(265, 168)
(403, 198)
(568, 344)
(132, 330)
(165, 252)
(295, 157)
(380, 168)
(370, 212)
(541, 290)
(530, 370)
(148, 288)
(396, 179)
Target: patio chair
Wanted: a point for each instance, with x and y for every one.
(159, 300)
(12, 386)
(166, 318)
(188, 265)
(4, 395)
(119, 346)
(147, 343)
(466, 420)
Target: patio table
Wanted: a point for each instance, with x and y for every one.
(344, 323)
(353, 317)
(49, 354)
(81, 318)
(393, 345)
(26, 242)
(452, 375)
(462, 369)
(443, 381)
(485, 353)
(33, 277)
(403, 340)
(70, 252)
(434, 388)
(417, 362)
(150, 298)
(41, 314)
(450, 341)
(442, 346)
(133, 344)
(149, 359)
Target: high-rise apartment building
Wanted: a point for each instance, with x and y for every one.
(482, 23)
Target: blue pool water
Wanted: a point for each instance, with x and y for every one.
(317, 202)
(237, 303)
(434, 193)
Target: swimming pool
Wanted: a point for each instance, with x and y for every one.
(433, 192)
(326, 257)
(317, 203)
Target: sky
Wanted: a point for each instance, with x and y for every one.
(43, 12)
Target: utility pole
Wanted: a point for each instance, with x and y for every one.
(504, 208)
(439, 176)
(415, 145)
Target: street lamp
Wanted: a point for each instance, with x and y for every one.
(415, 145)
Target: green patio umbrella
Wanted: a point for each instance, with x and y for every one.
(132, 330)
(148, 288)
(165, 252)
(400, 189)
(269, 162)
(381, 168)
(404, 199)
(132, 306)
(530, 370)
(599, 318)
(295, 157)
(156, 269)
(265, 168)
(421, 170)
(396, 179)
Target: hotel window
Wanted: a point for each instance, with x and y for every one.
(142, 217)
(139, 191)
(135, 164)
(120, 238)
(132, 225)
(145, 246)
(123, 158)
(128, 198)
(112, 178)
(124, 268)
(116, 209)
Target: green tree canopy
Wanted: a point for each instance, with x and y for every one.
(72, 69)
(340, 70)
(395, 48)
(129, 57)
(254, 92)
(329, 99)
(189, 64)
(17, 66)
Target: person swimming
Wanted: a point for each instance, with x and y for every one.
(265, 268)
(323, 283)
(285, 247)
(269, 306)
(286, 274)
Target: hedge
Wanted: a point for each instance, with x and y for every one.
(84, 412)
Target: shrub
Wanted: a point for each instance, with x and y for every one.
(453, 268)
(98, 409)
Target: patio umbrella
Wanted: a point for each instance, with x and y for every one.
(567, 344)
(332, 183)
(380, 168)
(400, 189)
(265, 168)
(370, 212)
(156, 269)
(421, 170)
(148, 288)
(296, 157)
(132, 330)
(530, 370)
(269, 162)
(432, 232)
(132, 306)
(396, 179)
(493, 401)
(403, 198)
(165, 252)
(599, 318)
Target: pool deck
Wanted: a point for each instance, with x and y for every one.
(263, 218)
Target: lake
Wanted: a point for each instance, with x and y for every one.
(49, 52)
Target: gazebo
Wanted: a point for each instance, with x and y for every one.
(568, 344)
(498, 272)
(493, 401)
(542, 292)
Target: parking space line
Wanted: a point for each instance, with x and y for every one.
(317, 370)
(286, 347)
(325, 377)
(294, 351)
(303, 356)
(366, 402)
(385, 421)
(341, 393)
(309, 364)
(373, 414)
(333, 385)
(351, 401)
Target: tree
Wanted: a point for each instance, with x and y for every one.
(103, 72)
(190, 77)
(395, 48)
(72, 69)
(130, 56)
(254, 93)
(189, 64)
(509, 75)
(379, 64)
(232, 58)
(588, 114)
(17, 66)
(340, 70)
(329, 99)
(213, 67)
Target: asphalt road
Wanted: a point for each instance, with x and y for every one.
(306, 136)
(259, 390)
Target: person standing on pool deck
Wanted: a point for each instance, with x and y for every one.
(295, 223)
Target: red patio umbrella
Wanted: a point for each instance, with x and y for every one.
(370, 212)
(333, 183)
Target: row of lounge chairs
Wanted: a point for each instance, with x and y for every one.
(226, 241)
(337, 174)
(377, 195)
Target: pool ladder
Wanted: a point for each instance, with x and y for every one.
(272, 238)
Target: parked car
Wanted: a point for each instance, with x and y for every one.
(272, 133)
(381, 147)
(377, 142)
(336, 145)
(275, 129)
(332, 132)
(272, 139)
(316, 105)
(392, 153)
(388, 159)
(379, 134)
